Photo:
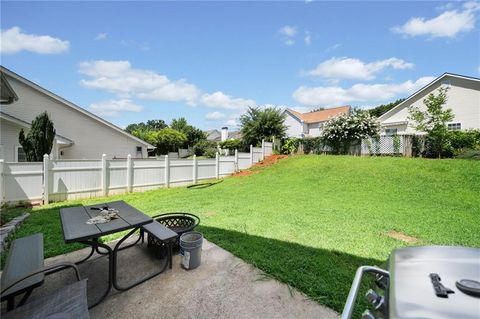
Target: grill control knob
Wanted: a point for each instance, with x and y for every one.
(372, 297)
(381, 281)
(368, 315)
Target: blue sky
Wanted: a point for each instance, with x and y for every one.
(207, 61)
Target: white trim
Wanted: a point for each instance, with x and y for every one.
(399, 106)
(71, 105)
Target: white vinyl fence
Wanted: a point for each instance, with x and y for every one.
(58, 180)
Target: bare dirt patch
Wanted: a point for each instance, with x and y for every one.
(401, 236)
(210, 214)
(268, 161)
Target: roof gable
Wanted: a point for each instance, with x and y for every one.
(398, 107)
(70, 104)
(319, 116)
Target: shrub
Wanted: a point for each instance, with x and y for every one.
(232, 144)
(201, 147)
(39, 139)
(210, 152)
(312, 144)
(345, 130)
(290, 145)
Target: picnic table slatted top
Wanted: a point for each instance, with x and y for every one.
(74, 220)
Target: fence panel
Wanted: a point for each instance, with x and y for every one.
(73, 179)
(181, 171)
(206, 169)
(116, 176)
(243, 160)
(268, 148)
(148, 174)
(384, 145)
(227, 165)
(23, 181)
(257, 154)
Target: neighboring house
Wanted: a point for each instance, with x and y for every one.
(80, 134)
(463, 97)
(224, 134)
(310, 124)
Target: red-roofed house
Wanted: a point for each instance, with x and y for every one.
(310, 124)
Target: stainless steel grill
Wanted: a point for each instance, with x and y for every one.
(423, 282)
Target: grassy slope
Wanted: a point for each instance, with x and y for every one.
(310, 221)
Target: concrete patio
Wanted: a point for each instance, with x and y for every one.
(222, 287)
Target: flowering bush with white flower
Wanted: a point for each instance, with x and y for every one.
(342, 131)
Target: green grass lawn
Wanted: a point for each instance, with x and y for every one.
(310, 221)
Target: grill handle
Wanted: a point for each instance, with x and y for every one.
(352, 295)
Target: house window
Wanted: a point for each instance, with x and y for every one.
(20, 154)
(454, 126)
(390, 131)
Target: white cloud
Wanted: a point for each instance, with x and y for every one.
(101, 36)
(348, 68)
(232, 123)
(336, 95)
(287, 33)
(113, 108)
(221, 100)
(448, 24)
(120, 78)
(215, 116)
(14, 40)
(333, 47)
(308, 38)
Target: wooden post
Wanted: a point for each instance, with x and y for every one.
(129, 173)
(104, 175)
(46, 183)
(263, 149)
(194, 173)
(251, 155)
(167, 171)
(2, 183)
(217, 166)
(236, 161)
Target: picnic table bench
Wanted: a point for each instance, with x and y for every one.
(24, 271)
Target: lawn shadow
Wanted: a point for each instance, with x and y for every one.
(323, 275)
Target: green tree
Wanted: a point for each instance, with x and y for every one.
(193, 134)
(433, 121)
(39, 139)
(258, 124)
(151, 125)
(166, 140)
(384, 108)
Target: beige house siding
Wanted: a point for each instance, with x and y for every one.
(91, 138)
(463, 98)
(294, 127)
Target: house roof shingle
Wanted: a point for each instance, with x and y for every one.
(320, 116)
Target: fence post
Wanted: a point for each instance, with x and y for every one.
(129, 173)
(104, 175)
(46, 183)
(263, 149)
(236, 160)
(251, 155)
(217, 166)
(273, 143)
(194, 169)
(167, 171)
(2, 183)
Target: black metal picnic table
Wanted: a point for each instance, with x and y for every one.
(76, 230)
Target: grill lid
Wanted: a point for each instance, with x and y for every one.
(411, 293)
